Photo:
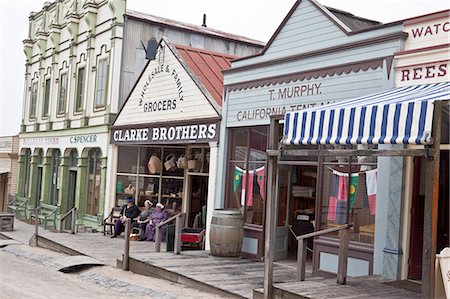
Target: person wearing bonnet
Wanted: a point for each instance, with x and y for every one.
(158, 216)
(144, 217)
(130, 210)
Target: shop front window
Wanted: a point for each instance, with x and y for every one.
(150, 173)
(94, 182)
(247, 173)
(26, 173)
(351, 200)
(54, 177)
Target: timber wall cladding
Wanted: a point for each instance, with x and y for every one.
(163, 87)
(298, 95)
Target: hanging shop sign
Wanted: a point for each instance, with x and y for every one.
(165, 134)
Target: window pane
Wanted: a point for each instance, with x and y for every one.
(46, 98)
(62, 93)
(148, 189)
(100, 93)
(253, 190)
(149, 165)
(54, 187)
(80, 90)
(360, 205)
(94, 182)
(258, 144)
(171, 189)
(239, 144)
(127, 159)
(27, 162)
(34, 88)
(171, 156)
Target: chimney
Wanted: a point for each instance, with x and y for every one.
(152, 47)
(204, 20)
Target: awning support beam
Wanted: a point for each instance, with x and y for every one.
(353, 152)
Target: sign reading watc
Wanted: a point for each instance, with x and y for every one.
(163, 134)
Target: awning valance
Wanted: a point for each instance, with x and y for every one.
(401, 115)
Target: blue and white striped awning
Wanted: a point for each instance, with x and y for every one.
(403, 115)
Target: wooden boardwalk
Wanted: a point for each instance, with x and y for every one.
(229, 277)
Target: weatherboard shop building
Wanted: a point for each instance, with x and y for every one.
(165, 138)
(317, 56)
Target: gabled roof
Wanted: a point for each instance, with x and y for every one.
(208, 67)
(347, 22)
(193, 28)
(351, 21)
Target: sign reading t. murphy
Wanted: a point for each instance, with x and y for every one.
(179, 133)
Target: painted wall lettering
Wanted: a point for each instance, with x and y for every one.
(188, 133)
(131, 135)
(296, 91)
(83, 139)
(161, 105)
(434, 29)
(40, 141)
(263, 113)
(424, 72)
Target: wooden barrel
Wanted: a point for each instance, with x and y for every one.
(227, 233)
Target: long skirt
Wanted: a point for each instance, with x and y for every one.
(150, 232)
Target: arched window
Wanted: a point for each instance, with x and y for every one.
(94, 180)
(54, 177)
(40, 169)
(73, 159)
(26, 173)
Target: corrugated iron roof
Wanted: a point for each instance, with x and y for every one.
(208, 67)
(353, 22)
(190, 27)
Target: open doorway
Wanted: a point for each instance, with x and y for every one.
(295, 208)
(417, 213)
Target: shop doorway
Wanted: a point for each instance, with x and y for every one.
(417, 215)
(295, 208)
(73, 169)
(197, 201)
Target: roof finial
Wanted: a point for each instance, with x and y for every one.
(204, 20)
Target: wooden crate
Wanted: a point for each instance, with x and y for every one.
(6, 222)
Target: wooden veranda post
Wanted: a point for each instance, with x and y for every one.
(126, 251)
(36, 225)
(270, 211)
(431, 207)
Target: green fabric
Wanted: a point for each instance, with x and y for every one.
(353, 185)
(238, 173)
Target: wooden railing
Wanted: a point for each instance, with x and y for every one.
(73, 213)
(179, 220)
(343, 251)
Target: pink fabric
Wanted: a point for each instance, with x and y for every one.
(249, 189)
(372, 204)
(343, 188)
(332, 209)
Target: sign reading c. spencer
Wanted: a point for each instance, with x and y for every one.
(165, 134)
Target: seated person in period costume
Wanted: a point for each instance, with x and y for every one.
(144, 217)
(130, 210)
(158, 216)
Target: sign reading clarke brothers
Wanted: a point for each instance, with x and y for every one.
(188, 133)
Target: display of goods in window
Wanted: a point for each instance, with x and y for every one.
(154, 164)
(170, 162)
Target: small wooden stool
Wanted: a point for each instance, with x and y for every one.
(6, 222)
